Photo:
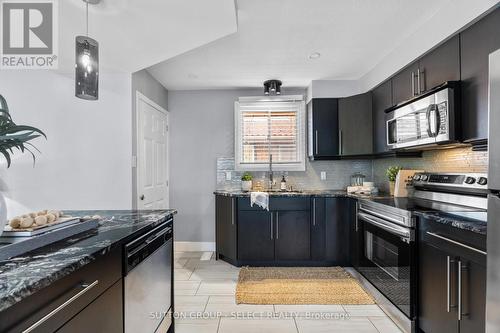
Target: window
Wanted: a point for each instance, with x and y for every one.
(273, 126)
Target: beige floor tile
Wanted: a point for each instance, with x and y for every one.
(182, 273)
(364, 310)
(306, 310)
(349, 325)
(196, 325)
(231, 325)
(217, 287)
(212, 273)
(385, 325)
(226, 306)
(186, 287)
(180, 263)
(219, 264)
(188, 255)
(185, 305)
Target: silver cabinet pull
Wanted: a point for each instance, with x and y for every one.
(316, 141)
(449, 261)
(232, 211)
(418, 81)
(413, 83)
(455, 242)
(459, 301)
(86, 288)
(272, 223)
(340, 142)
(314, 211)
(277, 225)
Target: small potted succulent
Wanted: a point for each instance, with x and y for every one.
(392, 173)
(246, 182)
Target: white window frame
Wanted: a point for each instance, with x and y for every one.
(301, 128)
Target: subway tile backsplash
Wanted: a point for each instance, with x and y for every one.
(339, 172)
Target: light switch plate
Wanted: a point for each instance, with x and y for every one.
(228, 175)
(323, 175)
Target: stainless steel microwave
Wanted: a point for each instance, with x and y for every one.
(426, 121)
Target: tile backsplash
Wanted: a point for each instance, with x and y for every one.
(338, 173)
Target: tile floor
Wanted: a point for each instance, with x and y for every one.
(204, 303)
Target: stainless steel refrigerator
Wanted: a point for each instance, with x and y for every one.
(493, 238)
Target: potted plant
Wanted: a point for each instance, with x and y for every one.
(13, 137)
(246, 182)
(392, 173)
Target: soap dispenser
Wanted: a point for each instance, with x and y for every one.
(283, 183)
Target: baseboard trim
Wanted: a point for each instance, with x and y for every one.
(193, 246)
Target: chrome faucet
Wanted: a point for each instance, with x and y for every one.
(271, 178)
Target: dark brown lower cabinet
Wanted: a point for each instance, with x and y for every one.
(292, 235)
(452, 287)
(255, 235)
(225, 222)
(104, 314)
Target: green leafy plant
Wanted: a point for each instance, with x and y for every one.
(15, 137)
(392, 172)
(246, 176)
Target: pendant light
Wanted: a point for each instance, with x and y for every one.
(272, 87)
(87, 63)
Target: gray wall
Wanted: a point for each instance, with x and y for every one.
(146, 84)
(202, 129)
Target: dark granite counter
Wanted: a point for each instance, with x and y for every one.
(303, 193)
(468, 221)
(24, 275)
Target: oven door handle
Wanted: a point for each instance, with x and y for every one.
(433, 132)
(387, 226)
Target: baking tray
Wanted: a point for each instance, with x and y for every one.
(33, 231)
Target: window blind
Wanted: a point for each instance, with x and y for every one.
(269, 128)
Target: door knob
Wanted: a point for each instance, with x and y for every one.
(141, 197)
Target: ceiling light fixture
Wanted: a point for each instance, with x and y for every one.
(272, 87)
(314, 55)
(87, 63)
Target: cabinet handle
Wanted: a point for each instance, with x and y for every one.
(418, 82)
(314, 211)
(340, 142)
(232, 211)
(86, 288)
(449, 261)
(413, 83)
(277, 225)
(272, 224)
(459, 290)
(316, 141)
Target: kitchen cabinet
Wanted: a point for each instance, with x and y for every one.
(225, 222)
(404, 84)
(452, 280)
(476, 43)
(355, 125)
(255, 235)
(339, 216)
(318, 229)
(382, 99)
(292, 241)
(323, 128)
(102, 315)
(440, 65)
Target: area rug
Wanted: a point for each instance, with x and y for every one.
(299, 285)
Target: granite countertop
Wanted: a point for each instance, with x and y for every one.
(24, 275)
(478, 226)
(303, 193)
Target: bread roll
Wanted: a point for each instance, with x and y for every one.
(42, 212)
(41, 220)
(32, 215)
(27, 222)
(55, 213)
(50, 218)
(15, 222)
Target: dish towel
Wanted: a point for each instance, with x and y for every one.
(260, 199)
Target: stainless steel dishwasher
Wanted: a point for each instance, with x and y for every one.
(148, 281)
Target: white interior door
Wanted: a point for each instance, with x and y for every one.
(152, 154)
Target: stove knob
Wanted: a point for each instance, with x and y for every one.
(470, 180)
(416, 178)
(482, 181)
(424, 177)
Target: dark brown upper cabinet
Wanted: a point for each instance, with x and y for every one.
(440, 65)
(404, 84)
(323, 121)
(355, 125)
(382, 99)
(477, 42)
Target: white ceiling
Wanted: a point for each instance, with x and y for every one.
(276, 37)
(134, 34)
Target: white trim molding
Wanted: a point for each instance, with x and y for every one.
(180, 246)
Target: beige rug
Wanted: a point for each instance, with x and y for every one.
(299, 285)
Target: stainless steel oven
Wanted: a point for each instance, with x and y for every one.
(429, 120)
(387, 254)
